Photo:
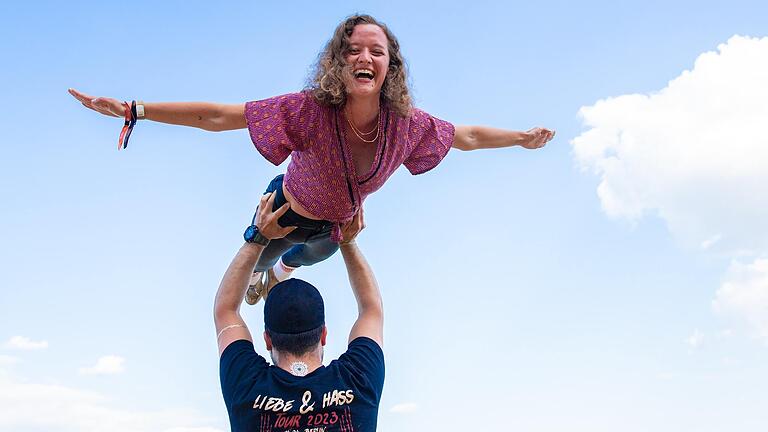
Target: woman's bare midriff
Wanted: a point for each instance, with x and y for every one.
(296, 207)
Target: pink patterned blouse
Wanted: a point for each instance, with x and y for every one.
(321, 174)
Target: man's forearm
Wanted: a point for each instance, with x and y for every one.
(204, 115)
(362, 279)
(482, 137)
(235, 280)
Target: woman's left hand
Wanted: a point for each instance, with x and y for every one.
(107, 106)
(538, 137)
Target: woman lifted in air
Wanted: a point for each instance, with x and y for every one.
(346, 134)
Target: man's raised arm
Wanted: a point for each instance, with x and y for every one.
(226, 308)
(370, 309)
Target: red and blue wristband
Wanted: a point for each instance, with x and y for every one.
(130, 122)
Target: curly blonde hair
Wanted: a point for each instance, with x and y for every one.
(326, 82)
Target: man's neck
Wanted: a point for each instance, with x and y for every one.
(292, 363)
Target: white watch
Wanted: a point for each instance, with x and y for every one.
(140, 110)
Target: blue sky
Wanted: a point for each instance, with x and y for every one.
(564, 288)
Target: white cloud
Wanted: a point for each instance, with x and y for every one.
(708, 243)
(744, 294)
(668, 376)
(68, 409)
(694, 153)
(6, 360)
(696, 339)
(404, 408)
(24, 343)
(724, 334)
(107, 365)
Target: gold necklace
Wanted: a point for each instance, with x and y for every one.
(361, 137)
(370, 131)
(346, 111)
(360, 134)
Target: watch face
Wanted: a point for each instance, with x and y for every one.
(250, 232)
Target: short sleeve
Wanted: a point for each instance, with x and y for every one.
(431, 138)
(365, 361)
(281, 124)
(239, 366)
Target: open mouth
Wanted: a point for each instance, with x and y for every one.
(364, 74)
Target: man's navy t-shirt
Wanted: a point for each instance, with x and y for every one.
(343, 396)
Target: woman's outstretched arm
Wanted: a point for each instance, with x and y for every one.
(204, 115)
(481, 137)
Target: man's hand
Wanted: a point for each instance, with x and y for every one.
(351, 229)
(226, 309)
(370, 309)
(266, 219)
(537, 137)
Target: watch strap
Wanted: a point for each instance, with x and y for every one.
(252, 235)
(140, 110)
(259, 238)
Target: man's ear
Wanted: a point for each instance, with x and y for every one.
(323, 335)
(268, 341)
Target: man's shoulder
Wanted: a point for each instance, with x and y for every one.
(240, 358)
(365, 341)
(364, 359)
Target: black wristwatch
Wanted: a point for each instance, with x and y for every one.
(252, 235)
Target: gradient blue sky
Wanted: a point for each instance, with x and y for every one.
(512, 301)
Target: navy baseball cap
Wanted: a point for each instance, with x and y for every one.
(293, 306)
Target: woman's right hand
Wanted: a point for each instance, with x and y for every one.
(106, 106)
